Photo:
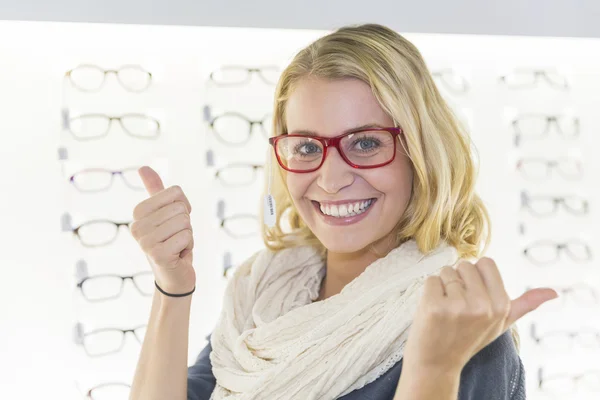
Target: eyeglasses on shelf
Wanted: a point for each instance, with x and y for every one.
(93, 180)
(241, 226)
(548, 205)
(561, 340)
(96, 126)
(105, 341)
(235, 129)
(98, 232)
(529, 78)
(537, 126)
(239, 75)
(548, 251)
(91, 78)
(238, 174)
(105, 287)
(535, 168)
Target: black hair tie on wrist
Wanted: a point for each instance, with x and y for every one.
(173, 295)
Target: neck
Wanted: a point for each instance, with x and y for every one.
(343, 268)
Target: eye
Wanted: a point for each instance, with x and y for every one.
(366, 143)
(307, 148)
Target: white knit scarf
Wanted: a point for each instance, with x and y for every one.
(273, 342)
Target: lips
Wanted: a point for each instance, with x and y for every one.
(346, 218)
(345, 209)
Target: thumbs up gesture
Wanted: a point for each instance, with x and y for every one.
(463, 310)
(161, 226)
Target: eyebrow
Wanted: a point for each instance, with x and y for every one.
(358, 128)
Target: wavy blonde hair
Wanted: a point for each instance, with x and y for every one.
(443, 204)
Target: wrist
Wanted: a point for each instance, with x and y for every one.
(443, 366)
(425, 382)
(178, 294)
(446, 372)
(176, 285)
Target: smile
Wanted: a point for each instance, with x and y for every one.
(344, 210)
(340, 213)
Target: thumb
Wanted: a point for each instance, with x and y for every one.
(151, 180)
(529, 301)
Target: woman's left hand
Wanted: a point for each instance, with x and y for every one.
(461, 311)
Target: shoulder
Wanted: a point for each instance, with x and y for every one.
(495, 373)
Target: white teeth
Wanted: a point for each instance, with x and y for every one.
(345, 210)
(335, 211)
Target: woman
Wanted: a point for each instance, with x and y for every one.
(376, 184)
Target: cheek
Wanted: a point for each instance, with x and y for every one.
(297, 185)
(398, 183)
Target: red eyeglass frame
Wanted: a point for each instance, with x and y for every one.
(335, 142)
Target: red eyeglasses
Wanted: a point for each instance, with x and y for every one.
(363, 149)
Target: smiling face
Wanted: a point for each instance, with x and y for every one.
(364, 205)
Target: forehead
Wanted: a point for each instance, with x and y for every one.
(329, 107)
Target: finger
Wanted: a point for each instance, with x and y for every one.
(528, 302)
(165, 253)
(159, 200)
(433, 288)
(490, 274)
(189, 248)
(179, 242)
(165, 231)
(473, 281)
(140, 228)
(453, 284)
(151, 180)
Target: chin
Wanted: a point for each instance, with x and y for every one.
(339, 242)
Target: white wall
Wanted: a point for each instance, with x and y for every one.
(509, 17)
(38, 301)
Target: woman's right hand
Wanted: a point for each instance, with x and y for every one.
(161, 226)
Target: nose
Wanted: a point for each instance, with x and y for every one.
(335, 174)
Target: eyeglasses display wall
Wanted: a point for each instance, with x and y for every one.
(112, 123)
(196, 105)
(547, 115)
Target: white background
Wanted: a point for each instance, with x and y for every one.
(38, 301)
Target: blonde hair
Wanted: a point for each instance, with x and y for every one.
(443, 204)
